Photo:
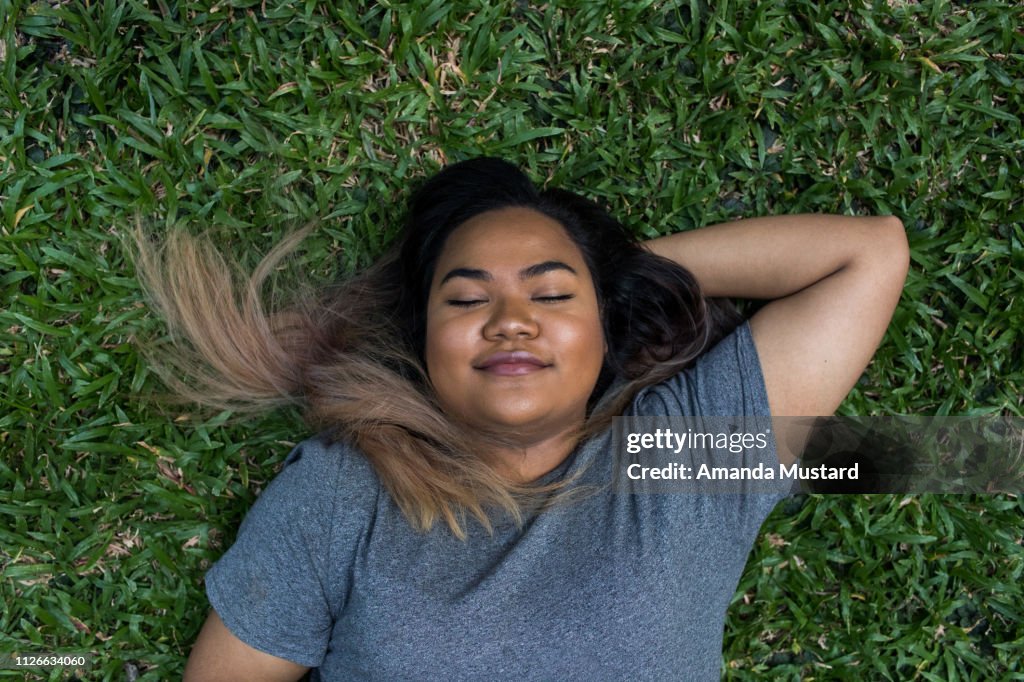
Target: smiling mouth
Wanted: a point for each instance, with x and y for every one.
(513, 369)
(512, 363)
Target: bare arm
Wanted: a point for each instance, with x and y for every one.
(219, 656)
(834, 282)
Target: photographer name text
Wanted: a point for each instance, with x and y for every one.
(682, 472)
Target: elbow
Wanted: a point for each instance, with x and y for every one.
(891, 259)
(894, 249)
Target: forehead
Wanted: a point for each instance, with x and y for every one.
(514, 236)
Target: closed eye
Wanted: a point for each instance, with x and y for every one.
(554, 299)
(464, 303)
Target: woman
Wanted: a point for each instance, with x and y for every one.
(454, 518)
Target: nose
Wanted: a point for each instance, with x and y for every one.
(511, 319)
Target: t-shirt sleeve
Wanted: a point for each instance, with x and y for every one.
(723, 391)
(280, 586)
(725, 381)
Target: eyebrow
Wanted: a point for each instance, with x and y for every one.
(524, 274)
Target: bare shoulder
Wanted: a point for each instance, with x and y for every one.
(218, 655)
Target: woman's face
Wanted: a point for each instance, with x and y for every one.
(514, 337)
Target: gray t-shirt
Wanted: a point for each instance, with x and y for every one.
(326, 572)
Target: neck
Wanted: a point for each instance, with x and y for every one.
(529, 462)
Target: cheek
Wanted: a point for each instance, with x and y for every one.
(447, 344)
(586, 339)
(432, 356)
(598, 345)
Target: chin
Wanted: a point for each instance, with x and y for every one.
(540, 422)
(523, 422)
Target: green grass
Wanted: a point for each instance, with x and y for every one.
(250, 118)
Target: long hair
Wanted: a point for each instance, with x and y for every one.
(351, 354)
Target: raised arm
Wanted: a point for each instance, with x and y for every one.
(834, 282)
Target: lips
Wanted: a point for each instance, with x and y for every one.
(512, 363)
